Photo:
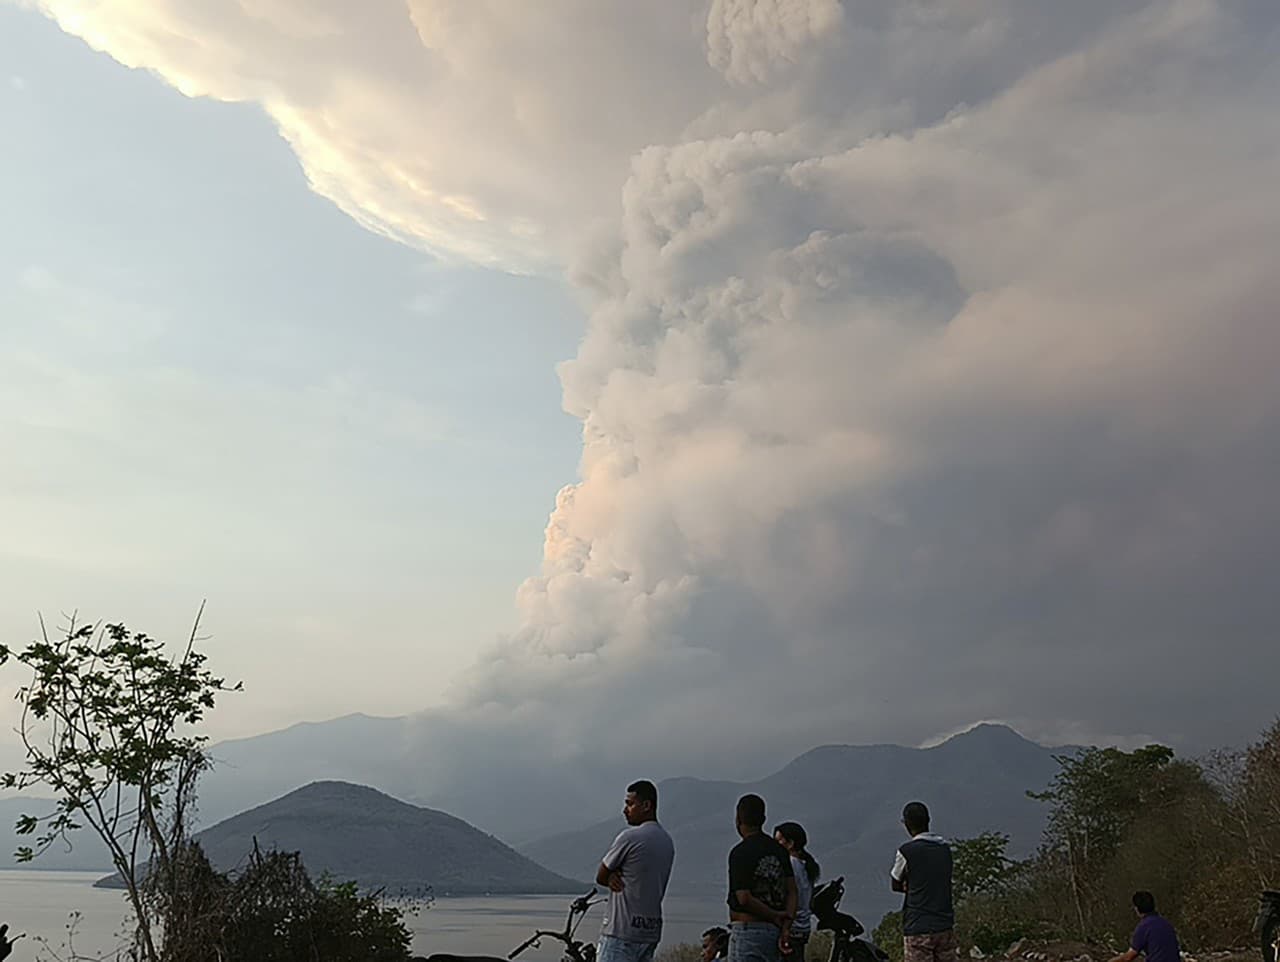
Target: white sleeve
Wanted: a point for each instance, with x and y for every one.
(617, 852)
(899, 867)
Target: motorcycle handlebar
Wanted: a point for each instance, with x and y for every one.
(577, 906)
(516, 952)
(536, 938)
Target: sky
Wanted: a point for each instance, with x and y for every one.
(675, 380)
(215, 385)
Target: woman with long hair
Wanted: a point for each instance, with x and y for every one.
(792, 837)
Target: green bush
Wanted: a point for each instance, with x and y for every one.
(274, 912)
(888, 935)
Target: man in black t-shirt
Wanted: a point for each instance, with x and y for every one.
(762, 890)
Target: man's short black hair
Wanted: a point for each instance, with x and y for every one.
(645, 791)
(751, 811)
(1144, 902)
(915, 815)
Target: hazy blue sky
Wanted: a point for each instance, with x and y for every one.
(920, 356)
(215, 384)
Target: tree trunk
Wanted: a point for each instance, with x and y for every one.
(1075, 889)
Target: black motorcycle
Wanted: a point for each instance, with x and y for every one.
(1268, 925)
(575, 950)
(845, 929)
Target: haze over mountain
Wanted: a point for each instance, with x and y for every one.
(543, 795)
(848, 796)
(395, 755)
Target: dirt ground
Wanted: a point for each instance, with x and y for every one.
(1028, 951)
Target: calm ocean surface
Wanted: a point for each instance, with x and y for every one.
(40, 903)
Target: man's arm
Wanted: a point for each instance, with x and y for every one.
(1137, 945)
(610, 878)
(610, 871)
(752, 905)
(788, 916)
(898, 875)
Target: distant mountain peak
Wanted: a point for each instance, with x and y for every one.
(990, 732)
(985, 731)
(333, 787)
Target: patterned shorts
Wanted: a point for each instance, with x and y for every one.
(937, 947)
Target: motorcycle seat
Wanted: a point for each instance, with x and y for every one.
(447, 957)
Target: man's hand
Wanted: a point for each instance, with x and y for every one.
(783, 922)
(1129, 956)
(614, 881)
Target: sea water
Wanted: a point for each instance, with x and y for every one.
(64, 906)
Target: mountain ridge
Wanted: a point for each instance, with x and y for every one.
(354, 832)
(849, 798)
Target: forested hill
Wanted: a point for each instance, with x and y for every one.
(358, 833)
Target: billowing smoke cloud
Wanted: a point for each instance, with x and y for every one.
(930, 370)
(484, 130)
(751, 40)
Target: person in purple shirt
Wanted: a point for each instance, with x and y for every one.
(1154, 937)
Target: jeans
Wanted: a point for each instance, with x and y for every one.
(613, 949)
(754, 942)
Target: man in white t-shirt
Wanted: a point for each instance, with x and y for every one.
(636, 869)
